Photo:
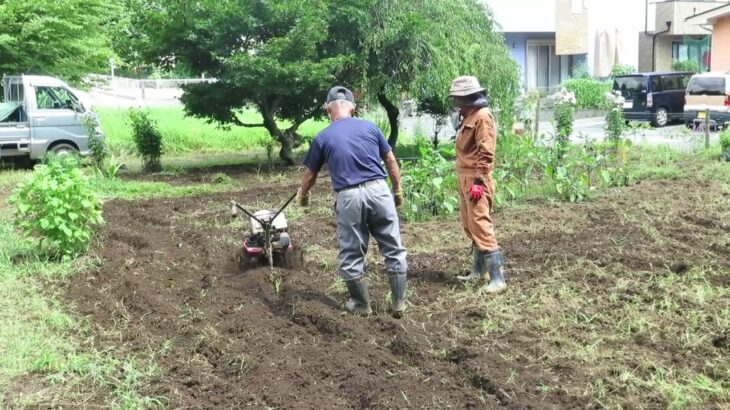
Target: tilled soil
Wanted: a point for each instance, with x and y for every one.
(168, 284)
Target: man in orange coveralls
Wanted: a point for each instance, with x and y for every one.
(476, 142)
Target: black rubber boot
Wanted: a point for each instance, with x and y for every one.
(359, 302)
(398, 287)
(494, 264)
(478, 267)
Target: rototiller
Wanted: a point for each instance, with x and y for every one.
(269, 241)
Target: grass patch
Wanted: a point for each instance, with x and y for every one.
(39, 338)
(129, 189)
(181, 134)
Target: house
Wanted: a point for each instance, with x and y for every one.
(672, 38)
(549, 39)
(719, 19)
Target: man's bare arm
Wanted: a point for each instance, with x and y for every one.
(308, 181)
(391, 164)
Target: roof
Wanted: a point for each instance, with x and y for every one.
(711, 15)
(655, 73)
(714, 74)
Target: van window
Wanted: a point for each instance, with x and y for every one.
(54, 98)
(706, 86)
(672, 82)
(656, 85)
(685, 80)
(630, 86)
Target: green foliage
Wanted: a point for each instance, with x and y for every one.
(589, 93)
(431, 186)
(147, 138)
(622, 69)
(615, 120)
(725, 140)
(460, 35)
(65, 38)
(686, 65)
(58, 206)
(725, 144)
(96, 143)
(281, 57)
(563, 115)
(276, 57)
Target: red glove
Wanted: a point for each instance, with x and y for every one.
(476, 191)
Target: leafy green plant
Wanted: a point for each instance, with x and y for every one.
(96, 143)
(432, 186)
(622, 69)
(589, 93)
(147, 139)
(564, 116)
(58, 206)
(615, 120)
(686, 65)
(725, 144)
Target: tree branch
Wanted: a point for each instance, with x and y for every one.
(243, 124)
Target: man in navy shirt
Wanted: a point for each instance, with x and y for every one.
(353, 149)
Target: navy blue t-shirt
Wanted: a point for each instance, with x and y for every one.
(352, 149)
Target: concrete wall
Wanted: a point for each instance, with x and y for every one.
(721, 45)
(664, 51)
(678, 11)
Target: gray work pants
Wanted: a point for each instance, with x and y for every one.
(361, 211)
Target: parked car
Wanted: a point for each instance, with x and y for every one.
(655, 97)
(42, 114)
(708, 91)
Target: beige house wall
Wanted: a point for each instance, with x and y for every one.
(571, 28)
(721, 45)
(644, 53)
(678, 11)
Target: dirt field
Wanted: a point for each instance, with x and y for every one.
(562, 337)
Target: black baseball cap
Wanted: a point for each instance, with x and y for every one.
(340, 93)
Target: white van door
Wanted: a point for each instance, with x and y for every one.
(55, 117)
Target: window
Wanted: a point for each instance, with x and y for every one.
(706, 86)
(630, 86)
(54, 98)
(656, 85)
(671, 82)
(694, 50)
(544, 68)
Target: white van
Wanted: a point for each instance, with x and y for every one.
(42, 114)
(708, 91)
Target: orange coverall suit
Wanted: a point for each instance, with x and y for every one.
(476, 142)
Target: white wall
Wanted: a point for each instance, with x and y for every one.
(525, 16)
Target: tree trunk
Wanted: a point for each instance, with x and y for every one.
(288, 138)
(393, 112)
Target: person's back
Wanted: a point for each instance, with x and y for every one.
(352, 149)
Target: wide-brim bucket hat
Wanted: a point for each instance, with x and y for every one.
(465, 85)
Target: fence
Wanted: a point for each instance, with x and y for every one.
(106, 82)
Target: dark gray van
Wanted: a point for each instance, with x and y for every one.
(654, 97)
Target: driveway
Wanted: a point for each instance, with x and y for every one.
(675, 135)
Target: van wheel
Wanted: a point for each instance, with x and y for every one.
(63, 149)
(661, 117)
